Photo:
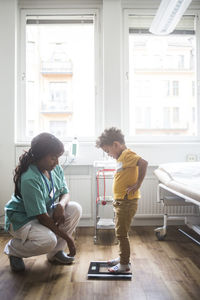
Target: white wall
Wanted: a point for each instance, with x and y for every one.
(112, 84)
(112, 27)
(8, 11)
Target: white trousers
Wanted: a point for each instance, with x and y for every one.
(35, 239)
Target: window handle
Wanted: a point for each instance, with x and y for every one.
(23, 76)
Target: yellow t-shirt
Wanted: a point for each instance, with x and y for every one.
(126, 175)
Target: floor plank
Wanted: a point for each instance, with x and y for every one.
(161, 270)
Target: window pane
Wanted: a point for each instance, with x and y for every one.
(161, 84)
(60, 96)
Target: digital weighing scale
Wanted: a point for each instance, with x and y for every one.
(97, 270)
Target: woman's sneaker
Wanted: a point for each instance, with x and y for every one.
(16, 264)
(62, 258)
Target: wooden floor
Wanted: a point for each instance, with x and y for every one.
(161, 270)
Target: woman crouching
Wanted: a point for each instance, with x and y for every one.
(40, 216)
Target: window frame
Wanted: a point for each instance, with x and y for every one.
(20, 128)
(125, 84)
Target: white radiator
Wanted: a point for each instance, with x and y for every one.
(80, 187)
(83, 192)
(148, 203)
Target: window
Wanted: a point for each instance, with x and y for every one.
(58, 91)
(193, 114)
(193, 89)
(60, 76)
(176, 114)
(175, 88)
(58, 128)
(166, 105)
(166, 118)
(143, 118)
(142, 88)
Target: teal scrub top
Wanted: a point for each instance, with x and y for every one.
(35, 198)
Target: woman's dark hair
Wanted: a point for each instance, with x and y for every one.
(41, 146)
(109, 136)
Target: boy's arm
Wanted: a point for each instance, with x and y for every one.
(142, 167)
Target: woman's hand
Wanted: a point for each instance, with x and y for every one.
(58, 214)
(71, 246)
(47, 221)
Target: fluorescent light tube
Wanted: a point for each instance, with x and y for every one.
(168, 15)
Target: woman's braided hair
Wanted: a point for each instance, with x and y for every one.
(41, 146)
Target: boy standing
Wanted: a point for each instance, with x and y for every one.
(130, 172)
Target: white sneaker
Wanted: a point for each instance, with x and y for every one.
(119, 268)
(113, 262)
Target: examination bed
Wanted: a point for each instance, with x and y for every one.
(179, 186)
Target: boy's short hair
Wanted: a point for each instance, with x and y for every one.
(109, 136)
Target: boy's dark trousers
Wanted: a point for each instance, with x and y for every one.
(124, 213)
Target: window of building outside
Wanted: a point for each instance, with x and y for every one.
(60, 96)
(58, 91)
(162, 80)
(176, 115)
(58, 128)
(175, 88)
